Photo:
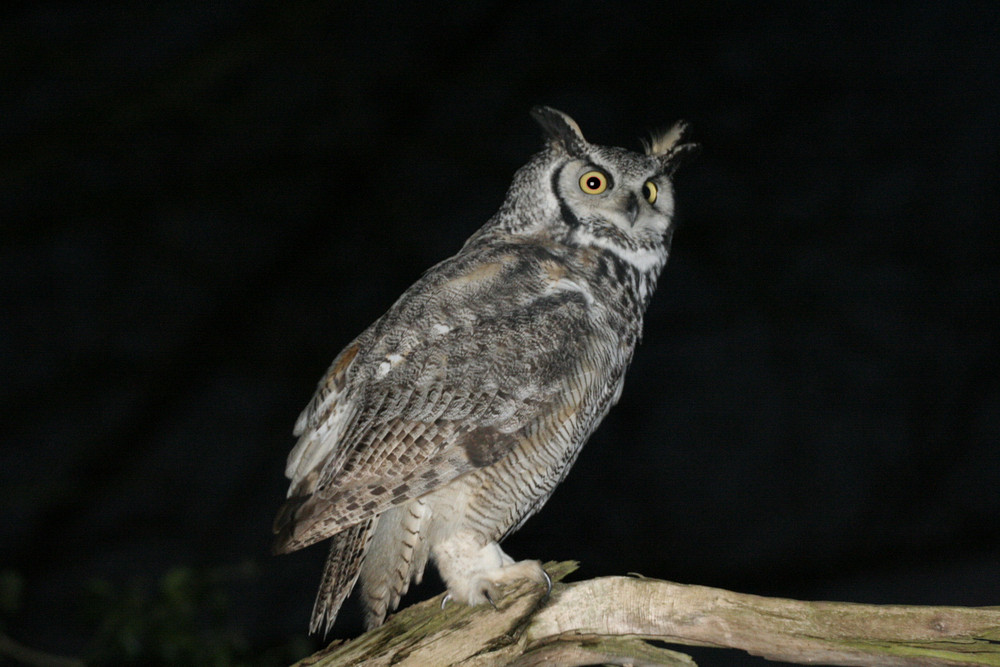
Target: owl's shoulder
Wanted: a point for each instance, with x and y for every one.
(522, 287)
(486, 276)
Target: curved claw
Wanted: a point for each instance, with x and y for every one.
(445, 600)
(548, 582)
(489, 599)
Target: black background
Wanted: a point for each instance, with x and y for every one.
(203, 202)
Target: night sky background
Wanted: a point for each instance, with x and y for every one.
(202, 202)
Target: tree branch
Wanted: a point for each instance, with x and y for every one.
(608, 620)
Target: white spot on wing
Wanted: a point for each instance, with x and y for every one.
(391, 360)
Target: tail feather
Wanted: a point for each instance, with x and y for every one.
(347, 550)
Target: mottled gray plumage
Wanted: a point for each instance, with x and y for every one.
(450, 420)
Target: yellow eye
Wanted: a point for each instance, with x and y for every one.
(649, 192)
(593, 182)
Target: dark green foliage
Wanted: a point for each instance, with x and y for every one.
(11, 592)
(185, 618)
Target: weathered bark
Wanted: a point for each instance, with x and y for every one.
(608, 620)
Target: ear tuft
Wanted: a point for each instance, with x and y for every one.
(561, 130)
(661, 143)
(668, 148)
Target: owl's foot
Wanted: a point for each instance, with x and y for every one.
(475, 574)
(485, 586)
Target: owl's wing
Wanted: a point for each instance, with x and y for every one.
(409, 407)
(321, 425)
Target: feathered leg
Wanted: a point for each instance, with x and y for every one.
(347, 550)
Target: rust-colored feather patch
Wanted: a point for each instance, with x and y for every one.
(338, 374)
(479, 274)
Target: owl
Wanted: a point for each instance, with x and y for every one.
(449, 421)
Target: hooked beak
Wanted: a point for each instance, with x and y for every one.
(632, 209)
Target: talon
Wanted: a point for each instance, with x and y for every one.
(445, 600)
(489, 599)
(548, 582)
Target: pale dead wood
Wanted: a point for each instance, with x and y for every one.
(607, 620)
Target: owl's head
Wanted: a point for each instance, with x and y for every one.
(585, 194)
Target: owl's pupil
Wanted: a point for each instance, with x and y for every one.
(645, 191)
(593, 182)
